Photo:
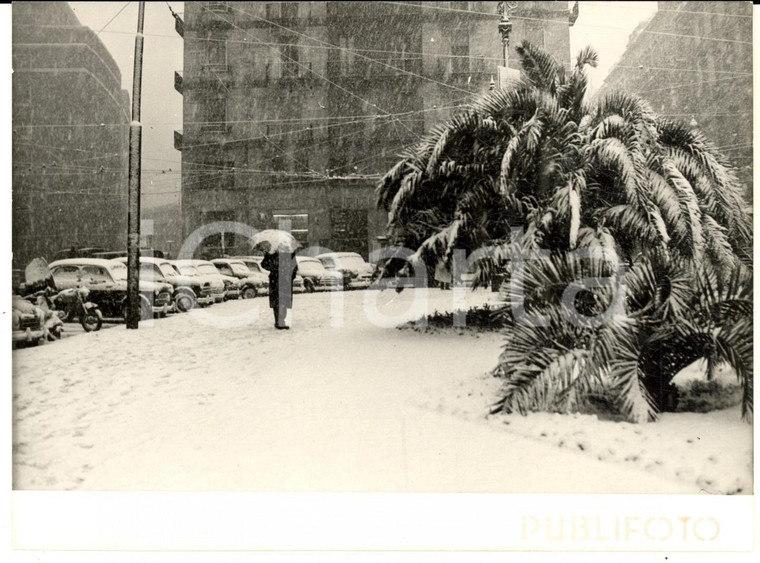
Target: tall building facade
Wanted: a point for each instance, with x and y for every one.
(293, 110)
(693, 62)
(70, 135)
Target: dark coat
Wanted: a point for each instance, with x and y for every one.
(282, 271)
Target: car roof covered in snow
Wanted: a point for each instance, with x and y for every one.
(85, 262)
(144, 260)
(340, 255)
(189, 262)
(253, 258)
(227, 261)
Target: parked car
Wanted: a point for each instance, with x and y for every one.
(107, 282)
(207, 272)
(27, 322)
(253, 282)
(232, 286)
(253, 263)
(316, 277)
(357, 274)
(189, 291)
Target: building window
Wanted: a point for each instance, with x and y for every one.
(278, 163)
(296, 223)
(289, 10)
(216, 53)
(218, 6)
(214, 114)
(346, 55)
(460, 51)
(400, 58)
(290, 62)
(272, 11)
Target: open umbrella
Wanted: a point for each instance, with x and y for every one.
(274, 240)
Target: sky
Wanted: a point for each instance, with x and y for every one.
(604, 25)
(607, 26)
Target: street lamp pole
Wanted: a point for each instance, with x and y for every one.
(505, 28)
(133, 213)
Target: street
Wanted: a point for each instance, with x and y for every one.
(219, 400)
(74, 329)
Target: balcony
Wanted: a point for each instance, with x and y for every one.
(216, 68)
(179, 26)
(216, 128)
(178, 140)
(214, 74)
(179, 82)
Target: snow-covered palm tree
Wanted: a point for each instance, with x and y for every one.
(571, 174)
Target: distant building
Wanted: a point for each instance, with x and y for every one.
(70, 135)
(693, 62)
(293, 110)
(162, 228)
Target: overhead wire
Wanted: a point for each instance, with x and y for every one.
(330, 139)
(705, 13)
(684, 69)
(352, 51)
(685, 84)
(700, 37)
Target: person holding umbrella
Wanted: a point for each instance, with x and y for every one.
(280, 259)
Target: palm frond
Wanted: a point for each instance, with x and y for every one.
(540, 68)
(628, 383)
(735, 346)
(690, 206)
(588, 56)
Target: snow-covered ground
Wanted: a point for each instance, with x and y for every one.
(218, 399)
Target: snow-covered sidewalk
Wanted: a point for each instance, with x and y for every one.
(338, 403)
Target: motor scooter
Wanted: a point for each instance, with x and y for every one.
(71, 304)
(68, 305)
